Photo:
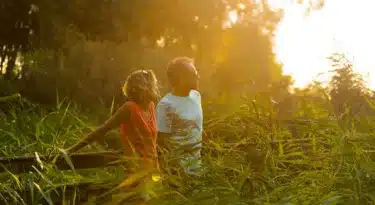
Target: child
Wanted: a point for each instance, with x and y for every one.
(179, 116)
(136, 119)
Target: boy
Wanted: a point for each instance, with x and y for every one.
(179, 116)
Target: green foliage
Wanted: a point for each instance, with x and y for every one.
(267, 145)
(261, 164)
(348, 91)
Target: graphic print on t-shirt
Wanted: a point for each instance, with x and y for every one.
(182, 118)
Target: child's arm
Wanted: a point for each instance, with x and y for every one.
(123, 114)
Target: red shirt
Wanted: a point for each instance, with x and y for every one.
(139, 133)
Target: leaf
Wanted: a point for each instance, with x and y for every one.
(65, 112)
(46, 179)
(15, 177)
(301, 154)
(242, 179)
(31, 188)
(295, 161)
(38, 160)
(134, 178)
(67, 159)
(45, 195)
(11, 97)
(13, 194)
(112, 106)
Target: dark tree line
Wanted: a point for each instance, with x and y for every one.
(56, 48)
(18, 23)
(83, 49)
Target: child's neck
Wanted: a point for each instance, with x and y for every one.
(181, 92)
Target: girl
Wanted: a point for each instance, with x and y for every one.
(136, 119)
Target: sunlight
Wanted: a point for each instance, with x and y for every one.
(161, 42)
(233, 16)
(303, 43)
(241, 6)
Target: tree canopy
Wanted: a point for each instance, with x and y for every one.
(226, 38)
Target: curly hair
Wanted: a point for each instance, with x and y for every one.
(141, 86)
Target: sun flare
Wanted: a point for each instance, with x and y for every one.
(303, 43)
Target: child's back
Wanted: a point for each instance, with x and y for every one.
(182, 118)
(139, 133)
(179, 115)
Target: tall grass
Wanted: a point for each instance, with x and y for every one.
(250, 159)
(27, 129)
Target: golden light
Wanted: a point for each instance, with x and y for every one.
(233, 16)
(303, 43)
(241, 6)
(156, 177)
(161, 42)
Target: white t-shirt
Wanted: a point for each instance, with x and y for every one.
(182, 118)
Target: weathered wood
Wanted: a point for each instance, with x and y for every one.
(79, 193)
(22, 164)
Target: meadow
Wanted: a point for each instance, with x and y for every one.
(269, 143)
(250, 159)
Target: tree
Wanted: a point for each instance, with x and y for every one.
(65, 31)
(17, 21)
(348, 91)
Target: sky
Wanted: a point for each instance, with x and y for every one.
(303, 43)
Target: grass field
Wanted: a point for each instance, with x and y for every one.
(328, 165)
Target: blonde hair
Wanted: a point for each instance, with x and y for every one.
(141, 87)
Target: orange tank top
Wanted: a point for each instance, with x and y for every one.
(139, 133)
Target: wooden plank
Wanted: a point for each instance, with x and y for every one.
(81, 191)
(22, 164)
